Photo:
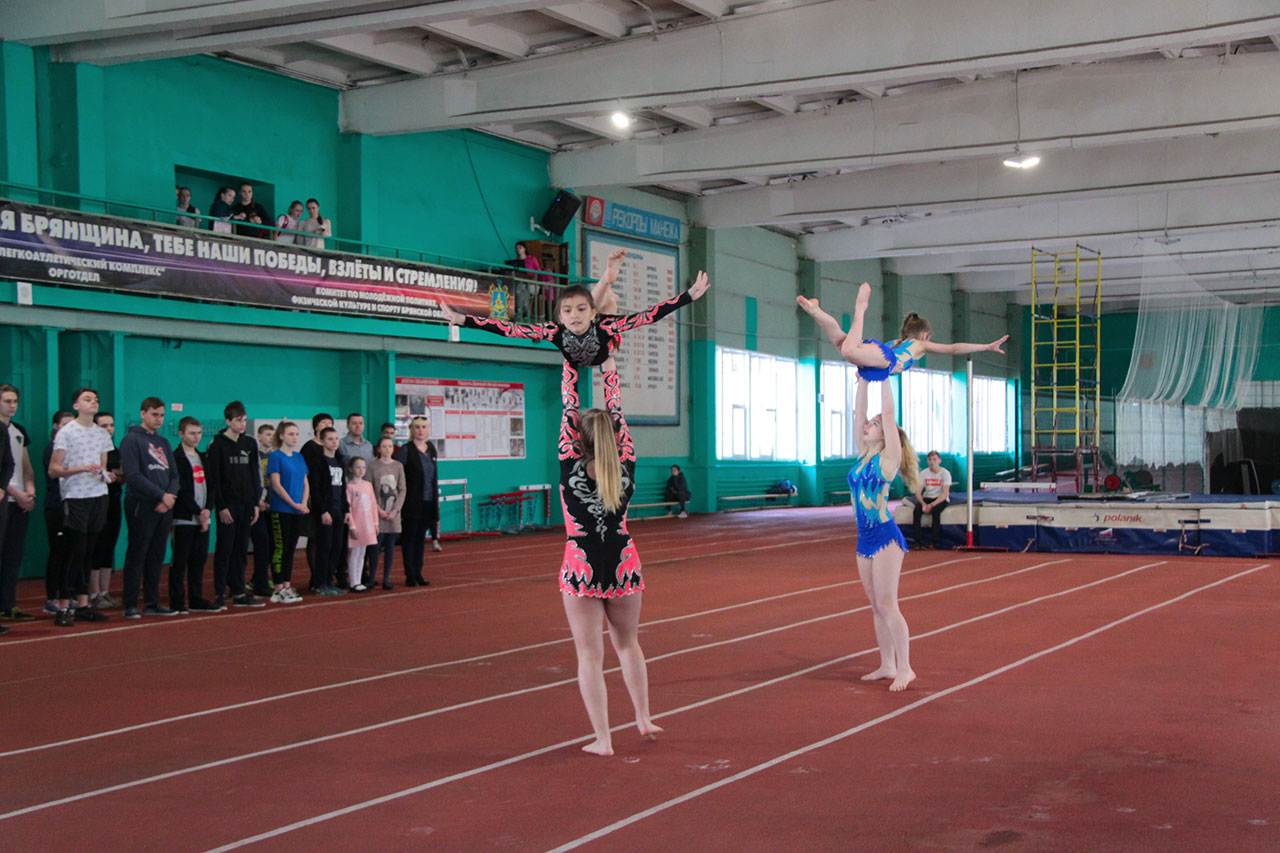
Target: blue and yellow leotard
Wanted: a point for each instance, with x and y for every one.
(899, 353)
(869, 491)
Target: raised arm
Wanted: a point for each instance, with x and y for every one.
(613, 403)
(891, 456)
(965, 349)
(528, 331)
(570, 428)
(654, 313)
(859, 413)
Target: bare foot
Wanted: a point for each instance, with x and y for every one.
(882, 672)
(810, 306)
(599, 747)
(864, 297)
(901, 681)
(649, 730)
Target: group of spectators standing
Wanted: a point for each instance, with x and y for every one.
(354, 500)
(238, 212)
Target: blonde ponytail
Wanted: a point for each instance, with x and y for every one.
(601, 447)
(910, 465)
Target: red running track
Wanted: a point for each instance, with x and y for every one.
(1064, 702)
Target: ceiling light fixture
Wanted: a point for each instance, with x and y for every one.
(1023, 161)
(620, 120)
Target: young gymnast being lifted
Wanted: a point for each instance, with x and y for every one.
(877, 360)
(584, 334)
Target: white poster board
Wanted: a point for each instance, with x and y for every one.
(470, 419)
(647, 360)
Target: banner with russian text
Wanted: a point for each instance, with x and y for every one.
(44, 244)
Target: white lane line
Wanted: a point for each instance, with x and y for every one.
(515, 759)
(292, 694)
(471, 703)
(884, 718)
(401, 596)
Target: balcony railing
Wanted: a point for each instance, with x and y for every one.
(533, 298)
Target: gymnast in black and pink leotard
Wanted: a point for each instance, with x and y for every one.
(600, 577)
(600, 560)
(585, 337)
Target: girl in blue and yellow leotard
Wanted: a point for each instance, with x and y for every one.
(875, 359)
(885, 454)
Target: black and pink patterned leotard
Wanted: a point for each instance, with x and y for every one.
(592, 347)
(600, 560)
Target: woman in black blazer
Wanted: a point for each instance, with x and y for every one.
(421, 510)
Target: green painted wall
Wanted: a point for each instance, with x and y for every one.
(456, 194)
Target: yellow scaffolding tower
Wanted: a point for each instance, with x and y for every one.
(1066, 354)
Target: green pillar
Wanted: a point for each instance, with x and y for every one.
(90, 359)
(702, 378)
(19, 147)
(355, 216)
(90, 152)
(390, 367)
(810, 373)
(891, 316)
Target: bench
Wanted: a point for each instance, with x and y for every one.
(1019, 487)
(839, 496)
(667, 505)
(650, 494)
(770, 500)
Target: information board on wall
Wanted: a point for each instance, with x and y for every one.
(470, 419)
(647, 361)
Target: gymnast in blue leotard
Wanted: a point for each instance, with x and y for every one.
(877, 360)
(885, 453)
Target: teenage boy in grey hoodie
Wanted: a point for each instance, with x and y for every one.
(151, 489)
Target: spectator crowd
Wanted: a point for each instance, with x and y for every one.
(353, 499)
(237, 211)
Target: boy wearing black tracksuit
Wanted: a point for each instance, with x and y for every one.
(234, 488)
(151, 489)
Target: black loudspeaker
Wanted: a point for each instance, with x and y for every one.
(561, 212)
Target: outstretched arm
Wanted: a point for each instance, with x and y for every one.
(965, 349)
(891, 456)
(613, 403)
(859, 413)
(654, 313)
(570, 428)
(602, 295)
(528, 331)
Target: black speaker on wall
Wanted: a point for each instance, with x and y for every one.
(561, 211)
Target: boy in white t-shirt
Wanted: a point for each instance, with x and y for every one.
(80, 461)
(932, 497)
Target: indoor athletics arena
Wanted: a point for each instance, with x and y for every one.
(671, 425)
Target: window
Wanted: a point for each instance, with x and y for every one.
(992, 414)
(758, 410)
(927, 409)
(839, 393)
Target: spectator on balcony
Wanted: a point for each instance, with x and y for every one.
(188, 213)
(221, 210)
(315, 225)
(246, 213)
(532, 300)
(529, 262)
(290, 222)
